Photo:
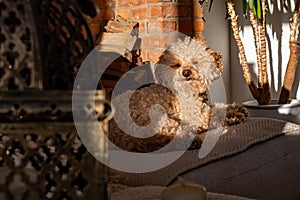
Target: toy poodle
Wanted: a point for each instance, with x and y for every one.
(183, 75)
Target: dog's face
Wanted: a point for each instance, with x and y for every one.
(188, 62)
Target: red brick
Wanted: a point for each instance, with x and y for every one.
(161, 26)
(124, 3)
(105, 3)
(142, 27)
(198, 11)
(144, 55)
(124, 12)
(132, 2)
(138, 2)
(164, 11)
(154, 1)
(97, 2)
(185, 26)
(153, 55)
(169, 26)
(154, 42)
(105, 14)
(155, 11)
(139, 13)
(185, 11)
(188, 1)
(170, 11)
(95, 29)
(198, 25)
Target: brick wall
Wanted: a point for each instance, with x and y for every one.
(158, 20)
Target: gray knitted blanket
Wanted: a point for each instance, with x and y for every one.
(237, 139)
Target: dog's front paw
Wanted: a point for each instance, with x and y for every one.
(235, 114)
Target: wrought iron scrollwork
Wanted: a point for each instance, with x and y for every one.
(42, 44)
(67, 40)
(17, 41)
(46, 162)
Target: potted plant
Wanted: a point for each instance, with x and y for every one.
(256, 12)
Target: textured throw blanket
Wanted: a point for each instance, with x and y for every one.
(235, 140)
(154, 193)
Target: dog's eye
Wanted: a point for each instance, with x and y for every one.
(195, 63)
(186, 73)
(178, 65)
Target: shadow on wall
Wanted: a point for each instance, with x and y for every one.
(158, 21)
(105, 13)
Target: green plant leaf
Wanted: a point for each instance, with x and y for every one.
(259, 11)
(252, 6)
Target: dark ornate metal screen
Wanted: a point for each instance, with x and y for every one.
(42, 44)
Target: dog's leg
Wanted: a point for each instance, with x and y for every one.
(228, 114)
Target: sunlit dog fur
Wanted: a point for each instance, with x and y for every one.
(186, 69)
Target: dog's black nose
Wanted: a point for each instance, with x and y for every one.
(186, 73)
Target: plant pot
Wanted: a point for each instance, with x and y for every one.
(288, 112)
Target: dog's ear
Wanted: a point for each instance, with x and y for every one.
(163, 58)
(218, 60)
(215, 55)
